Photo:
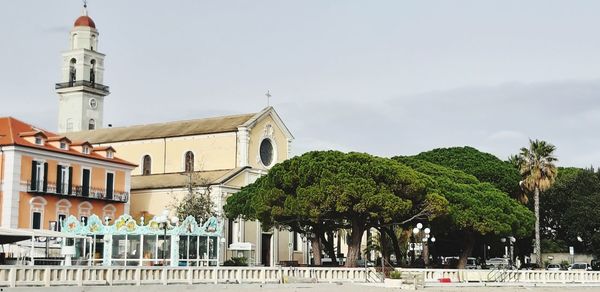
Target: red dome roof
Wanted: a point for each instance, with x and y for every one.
(85, 20)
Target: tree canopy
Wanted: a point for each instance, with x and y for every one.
(474, 208)
(570, 210)
(322, 191)
(484, 166)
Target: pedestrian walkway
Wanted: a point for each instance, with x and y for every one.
(346, 287)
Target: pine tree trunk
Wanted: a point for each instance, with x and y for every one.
(328, 245)
(354, 245)
(538, 246)
(395, 244)
(383, 244)
(468, 244)
(315, 243)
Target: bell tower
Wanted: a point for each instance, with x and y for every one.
(81, 90)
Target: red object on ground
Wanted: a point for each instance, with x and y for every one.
(444, 280)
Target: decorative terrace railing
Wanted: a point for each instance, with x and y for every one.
(507, 277)
(51, 188)
(82, 83)
(46, 276)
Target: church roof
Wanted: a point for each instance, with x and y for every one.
(175, 180)
(180, 180)
(14, 132)
(213, 125)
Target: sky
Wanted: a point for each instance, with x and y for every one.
(383, 77)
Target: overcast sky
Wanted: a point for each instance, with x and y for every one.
(384, 77)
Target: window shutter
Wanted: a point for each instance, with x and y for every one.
(59, 179)
(37, 220)
(45, 176)
(33, 175)
(70, 180)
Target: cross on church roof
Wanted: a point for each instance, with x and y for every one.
(268, 95)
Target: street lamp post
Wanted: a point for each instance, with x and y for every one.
(425, 241)
(421, 237)
(307, 237)
(433, 253)
(580, 240)
(509, 249)
(163, 221)
(416, 232)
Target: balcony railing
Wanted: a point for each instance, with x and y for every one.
(82, 83)
(78, 191)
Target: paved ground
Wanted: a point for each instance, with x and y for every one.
(503, 289)
(292, 288)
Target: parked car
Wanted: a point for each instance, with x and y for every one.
(580, 267)
(553, 267)
(530, 266)
(497, 263)
(472, 264)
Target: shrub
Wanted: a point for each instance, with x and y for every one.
(236, 261)
(395, 275)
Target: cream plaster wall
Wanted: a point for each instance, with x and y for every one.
(211, 152)
(134, 151)
(153, 202)
(250, 232)
(239, 181)
(257, 134)
(284, 248)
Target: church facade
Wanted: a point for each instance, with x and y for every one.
(222, 154)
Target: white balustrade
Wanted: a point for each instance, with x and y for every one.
(20, 276)
(510, 276)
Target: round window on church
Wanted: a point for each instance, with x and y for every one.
(266, 152)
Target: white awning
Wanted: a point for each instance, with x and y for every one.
(10, 235)
(52, 233)
(242, 246)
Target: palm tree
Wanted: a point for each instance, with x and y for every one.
(536, 165)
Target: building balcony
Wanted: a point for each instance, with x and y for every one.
(85, 83)
(77, 191)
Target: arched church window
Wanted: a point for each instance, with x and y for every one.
(72, 71)
(146, 165)
(93, 72)
(189, 161)
(92, 124)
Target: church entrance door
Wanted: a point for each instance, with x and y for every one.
(265, 251)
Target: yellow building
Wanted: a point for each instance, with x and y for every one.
(45, 177)
(224, 153)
